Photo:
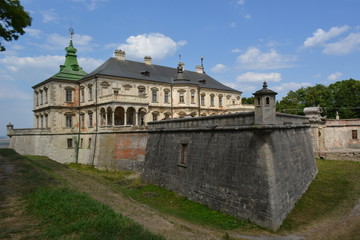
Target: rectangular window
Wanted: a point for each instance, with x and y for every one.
(41, 97)
(46, 96)
(116, 92)
(183, 154)
(90, 119)
(181, 97)
(154, 96)
(89, 146)
(354, 134)
(46, 121)
(42, 121)
(90, 93)
(68, 96)
(220, 102)
(82, 94)
(69, 143)
(192, 97)
(82, 120)
(166, 97)
(202, 99)
(69, 121)
(212, 101)
(37, 98)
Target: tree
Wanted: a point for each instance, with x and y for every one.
(342, 97)
(249, 100)
(13, 20)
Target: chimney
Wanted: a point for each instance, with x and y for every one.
(120, 54)
(147, 60)
(199, 69)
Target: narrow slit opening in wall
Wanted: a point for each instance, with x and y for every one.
(183, 154)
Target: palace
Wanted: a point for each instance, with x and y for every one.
(121, 94)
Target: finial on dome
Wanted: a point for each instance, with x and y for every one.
(265, 84)
(71, 31)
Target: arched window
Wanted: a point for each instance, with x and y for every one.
(130, 115)
(109, 116)
(102, 117)
(142, 113)
(119, 116)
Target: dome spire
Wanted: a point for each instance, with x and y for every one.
(71, 69)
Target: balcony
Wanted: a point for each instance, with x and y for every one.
(124, 98)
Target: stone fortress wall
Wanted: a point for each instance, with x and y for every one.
(231, 164)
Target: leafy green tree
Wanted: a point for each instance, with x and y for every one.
(249, 100)
(13, 20)
(342, 97)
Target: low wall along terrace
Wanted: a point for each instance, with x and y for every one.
(114, 150)
(256, 172)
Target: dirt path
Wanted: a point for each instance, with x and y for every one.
(16, 225)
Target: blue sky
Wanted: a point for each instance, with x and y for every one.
(290, 44)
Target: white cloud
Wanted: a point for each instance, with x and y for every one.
(253, 58)
(344, 46)
(90, 4)
(320, 36)
(285, 87)
(218, 68)
(49, 16)
(83, 43)
(156, 45)
(37, 69)
(334, 76)
(35, 33)
(259, 77)
(236, 50)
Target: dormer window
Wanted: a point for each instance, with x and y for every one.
(145, 73)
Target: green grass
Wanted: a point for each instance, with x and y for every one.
(63, 213)
(334, 191)
(165, 201)
(67, 214)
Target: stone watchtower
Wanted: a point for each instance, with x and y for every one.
(265, 106)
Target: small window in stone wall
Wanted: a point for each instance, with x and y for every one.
(354, 134)
(89, 146)
(81, 143)
(69, 143)
(183, 154)
(267, 100)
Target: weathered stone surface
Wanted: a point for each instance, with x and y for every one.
(251, 172)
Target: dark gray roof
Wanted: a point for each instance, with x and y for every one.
(155, 73)
(264, 91)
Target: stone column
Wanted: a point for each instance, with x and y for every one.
(136, 119)
(125, 117)
(113, 118)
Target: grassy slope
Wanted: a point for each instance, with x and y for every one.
(63, 213)
(334, 192)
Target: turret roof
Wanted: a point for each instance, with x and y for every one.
(71, 69)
